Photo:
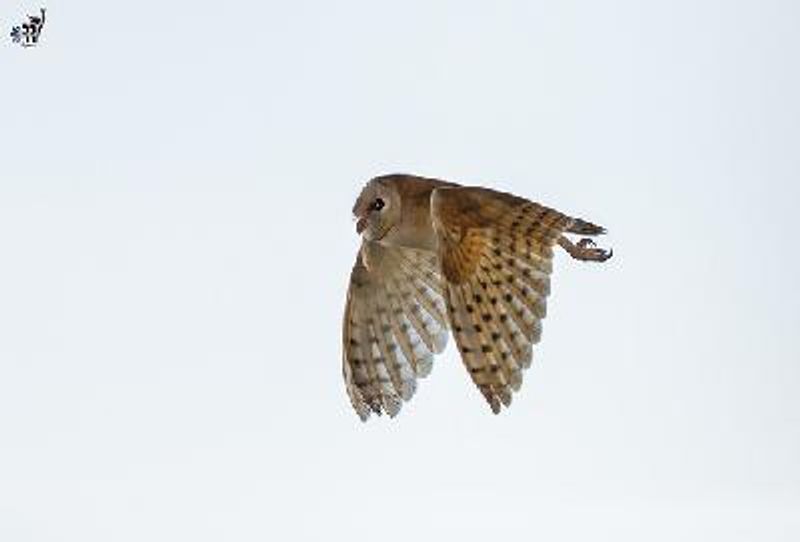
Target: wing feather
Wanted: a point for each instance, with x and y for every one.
(395, 321)
(496, 255)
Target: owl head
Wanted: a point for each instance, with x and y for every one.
(377, 208)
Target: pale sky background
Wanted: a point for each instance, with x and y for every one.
(175, 241)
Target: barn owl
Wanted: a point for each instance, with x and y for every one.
(437, 257)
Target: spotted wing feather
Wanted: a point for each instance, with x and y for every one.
(496, 256)
(395, 321)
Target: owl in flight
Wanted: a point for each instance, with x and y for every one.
(436, 256)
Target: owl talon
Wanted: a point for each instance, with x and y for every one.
(585, 250)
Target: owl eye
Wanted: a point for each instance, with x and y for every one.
(377, 205)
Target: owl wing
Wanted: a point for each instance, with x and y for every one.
(496, 256)
(394, 322)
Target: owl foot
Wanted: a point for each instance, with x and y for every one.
(585, 250)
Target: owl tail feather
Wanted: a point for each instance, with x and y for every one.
(582, 227)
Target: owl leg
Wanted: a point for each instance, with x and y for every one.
(584, 250)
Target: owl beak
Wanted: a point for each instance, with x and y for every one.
(361, 225)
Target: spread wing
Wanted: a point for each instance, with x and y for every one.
(496, 256)
(394, 322)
